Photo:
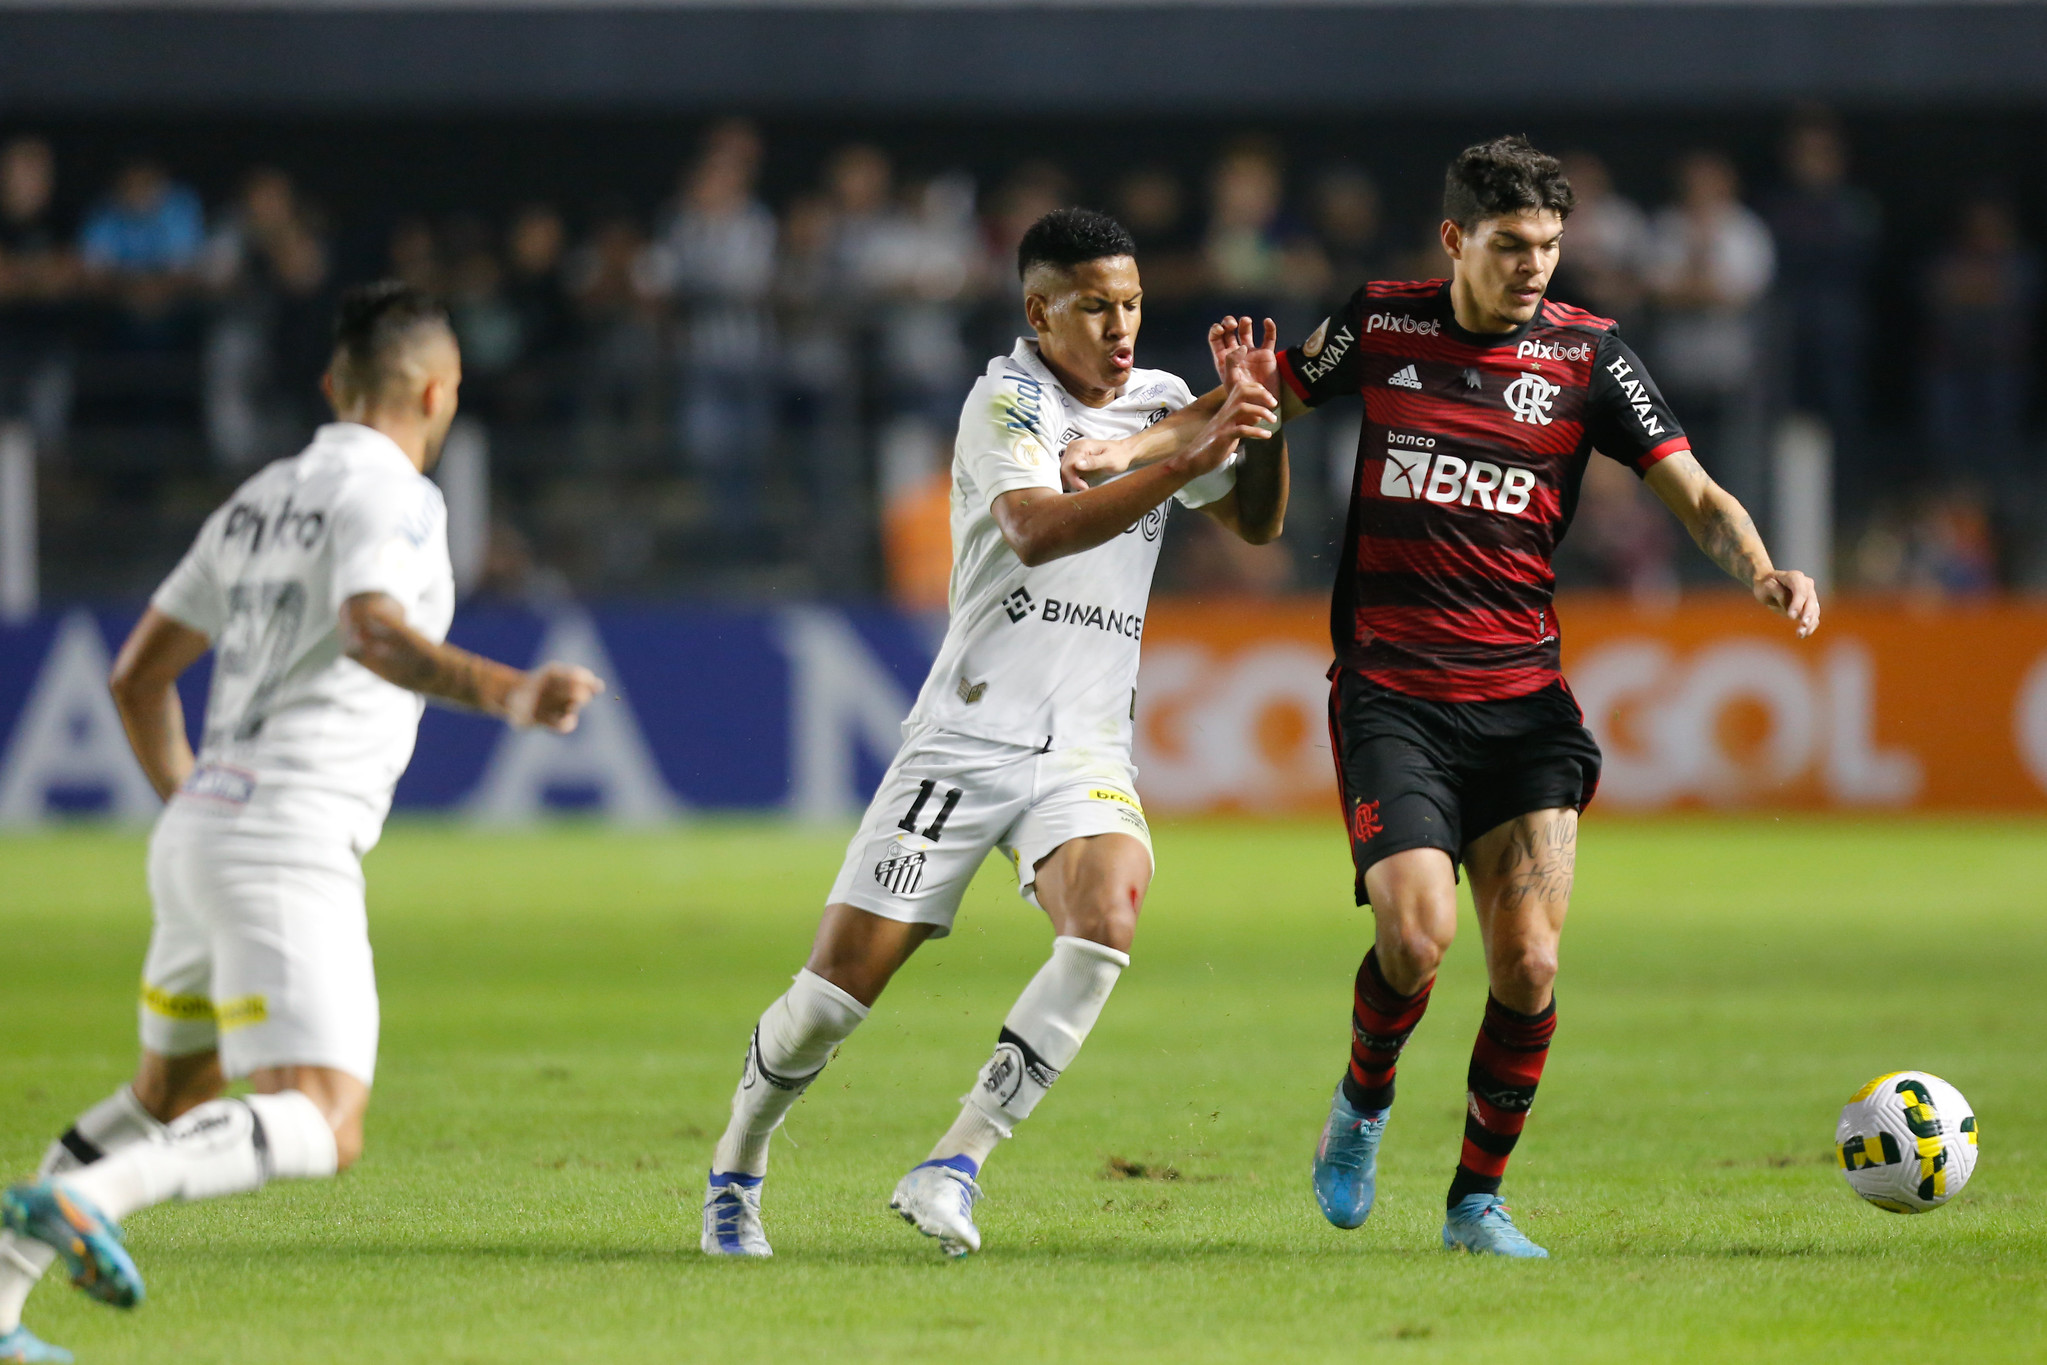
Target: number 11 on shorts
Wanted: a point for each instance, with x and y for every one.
(937, 825)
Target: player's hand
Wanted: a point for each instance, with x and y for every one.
(1794, 596)
(1247, 414)
(1235, 336)
(1088, 456)
(551, 695)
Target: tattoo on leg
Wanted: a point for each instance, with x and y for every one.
(1537, 863)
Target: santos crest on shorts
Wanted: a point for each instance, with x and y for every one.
(265, 581)
(1469, 462)
(1045, 657)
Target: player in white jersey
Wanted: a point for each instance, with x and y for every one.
(323, 589)
(1020, 739)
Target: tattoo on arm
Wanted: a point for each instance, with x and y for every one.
(1725, 536)
(1538, 863)
(384, 644)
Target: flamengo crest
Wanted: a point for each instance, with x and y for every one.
(1530, 397)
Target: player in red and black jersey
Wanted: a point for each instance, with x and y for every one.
(1456, 738)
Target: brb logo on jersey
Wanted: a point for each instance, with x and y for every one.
(1529, 398)
(1414, 470)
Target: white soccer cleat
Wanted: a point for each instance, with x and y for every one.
(938, 1200)
(732, 1216)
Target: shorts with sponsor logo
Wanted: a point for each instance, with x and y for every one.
(260, 946)
(1415, 773)
(948, 799)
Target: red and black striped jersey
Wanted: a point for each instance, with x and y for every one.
(1468, 469)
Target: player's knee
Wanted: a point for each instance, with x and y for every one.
(1529, 968)
(1107, 917)
(1409, 953)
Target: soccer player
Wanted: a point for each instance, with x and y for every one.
(1457, 739)
(1020, 739)
(324, 590)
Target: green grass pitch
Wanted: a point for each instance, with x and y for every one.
(564, 1014)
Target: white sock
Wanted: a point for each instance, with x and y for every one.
(1039, 1039)
(115, 1122)
(791, 1044)
(225, 1146)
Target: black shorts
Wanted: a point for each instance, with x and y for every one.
(1414, 773)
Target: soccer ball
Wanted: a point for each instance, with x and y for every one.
(1906, 1142)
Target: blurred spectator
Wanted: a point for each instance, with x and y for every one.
(38, 276)
(1941, 546)
(1710, 261)
(819, 398)
(1981, 295)
(716, 259)
(1243, 247)
(145, 239)
(1030, 192)
(1826, 233)
(1606, 246)
(619, 381)
(415, 256)
(536, 247)
(1150, 202)
(1349, 229)
(484, 319)
(268, 269)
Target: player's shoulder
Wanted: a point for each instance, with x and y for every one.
(1148, 388)
(1556, 313)
(1010, 396)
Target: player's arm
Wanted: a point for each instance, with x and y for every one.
(1255, 509)
(1042, 525)
(374, 633)
(1088, 459)
(145, 688)
(1726, 532)
(1629, 420)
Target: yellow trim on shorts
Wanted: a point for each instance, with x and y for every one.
(186, 1009)
(198, 1009)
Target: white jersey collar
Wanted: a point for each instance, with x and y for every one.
(1026, 355)
(355, 439)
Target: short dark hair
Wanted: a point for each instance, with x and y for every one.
(1068, 237)
(1506, 175)
(374, 327)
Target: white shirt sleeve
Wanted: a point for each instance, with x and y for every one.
(1003, 442)
(1216, 484)
(384, 538)
(192, 594)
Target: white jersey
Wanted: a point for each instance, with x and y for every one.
(1045, 657)
(265, 582)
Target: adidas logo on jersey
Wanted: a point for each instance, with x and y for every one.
(1404, 378)
(1425, 476)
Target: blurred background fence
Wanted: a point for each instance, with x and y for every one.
(723, 273)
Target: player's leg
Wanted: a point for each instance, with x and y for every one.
(851, 961)
(924, 835)
(1401, 818)
(1521, 875)
(1083, 853)
(294, 1000)
(164, 1087)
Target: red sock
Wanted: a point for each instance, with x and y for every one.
(1506, 1064)
(1381, 1021)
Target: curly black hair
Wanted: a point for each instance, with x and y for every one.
(1070, 237)
(373, 328)
(1506, 175)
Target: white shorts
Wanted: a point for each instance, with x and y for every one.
(261, 945)
(948, 799)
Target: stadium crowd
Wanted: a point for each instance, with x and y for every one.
(728, 395)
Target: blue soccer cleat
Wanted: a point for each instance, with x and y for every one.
(732, 1216)
(1347, 1162)
(23, 1347)
(1478, 1223)
(88, 1240)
